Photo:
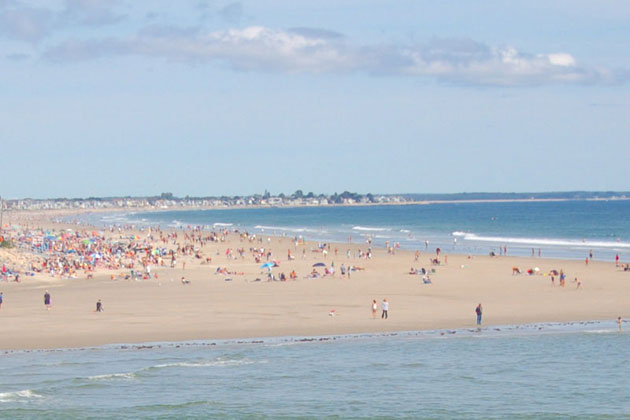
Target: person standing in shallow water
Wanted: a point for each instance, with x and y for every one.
(479, 312)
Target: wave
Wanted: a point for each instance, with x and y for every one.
(371, 229)
(115, 217)
(209, 363)
(222, 224)
(608, 331)
(176, 223)
(543, 241)
(18, 395)
(112, 376)
(287, 229)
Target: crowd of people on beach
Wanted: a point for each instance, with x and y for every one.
(71, 253)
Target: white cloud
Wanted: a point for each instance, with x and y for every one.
(258, 48)
(561, 59)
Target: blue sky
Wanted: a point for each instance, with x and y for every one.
(103, 98)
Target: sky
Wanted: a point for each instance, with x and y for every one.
(209, 98)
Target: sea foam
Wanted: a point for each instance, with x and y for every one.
(25, 394)
(542, 241)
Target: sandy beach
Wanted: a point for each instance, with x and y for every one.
(235, 305)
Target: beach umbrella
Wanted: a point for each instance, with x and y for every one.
(319, 264)
(267, 265)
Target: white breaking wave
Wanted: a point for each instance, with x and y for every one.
(609, 331)
(209, 363)
(112, 376)
(222, 224)
(287, 229)
(17, 395)
(542, 241)
(371, 229)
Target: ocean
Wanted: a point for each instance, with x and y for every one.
(542, 371)
(558, 229)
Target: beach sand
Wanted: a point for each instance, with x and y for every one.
(211, 307)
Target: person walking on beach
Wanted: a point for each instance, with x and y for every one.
(479, 312)
(99, 306)
(374, 308)
(47, 300)
(1, 299)
(385, 308)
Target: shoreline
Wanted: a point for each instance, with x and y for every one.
(487, 331)
(470, 243)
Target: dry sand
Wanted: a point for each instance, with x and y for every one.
(163, 309)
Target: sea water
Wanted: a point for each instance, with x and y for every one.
(542, 371)
(562, 229)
